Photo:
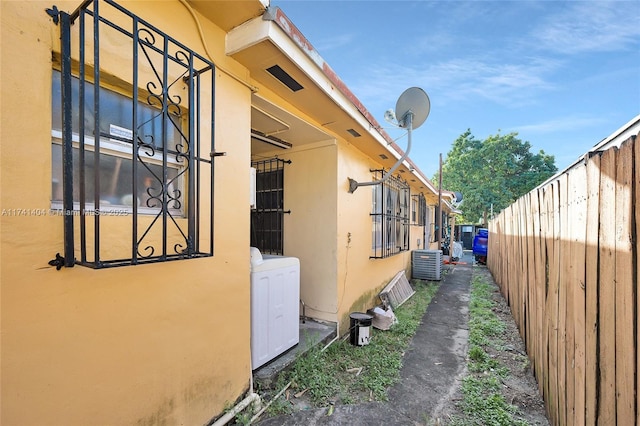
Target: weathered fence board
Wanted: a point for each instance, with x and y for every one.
(552, 298)
(625, 289)
(607, 299)
(531, 278)
(540, 283)
(568, 281)
(592, 289)
(544, 376)
(522, 267)
(577, 179)
(566, 258)
(563, 376)
(636, 197)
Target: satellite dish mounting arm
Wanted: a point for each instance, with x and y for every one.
(406, 122)
(413, 107)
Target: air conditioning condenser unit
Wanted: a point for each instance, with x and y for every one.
(426, 264)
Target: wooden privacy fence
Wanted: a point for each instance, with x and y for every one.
(566, 259)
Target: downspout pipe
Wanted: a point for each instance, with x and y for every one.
(229, 415)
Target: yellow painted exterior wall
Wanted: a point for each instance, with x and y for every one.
(163, 343)
(330, 230)
(310, 229)
(360, 279)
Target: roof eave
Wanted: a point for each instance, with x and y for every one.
(276, 28)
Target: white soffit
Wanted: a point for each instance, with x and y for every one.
(259, 30)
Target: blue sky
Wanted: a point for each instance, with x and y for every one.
(562, 74)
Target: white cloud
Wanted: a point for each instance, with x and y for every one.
(511, 69)
(456, 80)
(561, 124)
(590, 26)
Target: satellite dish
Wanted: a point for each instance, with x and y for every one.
(416, 100)
(458, 196)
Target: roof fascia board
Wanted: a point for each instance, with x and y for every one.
(247, 35)
(619, 136)
(312, 64)
(375, 129)
(426, 181)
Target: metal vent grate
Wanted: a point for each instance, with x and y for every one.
(285, 78)
(397, 291)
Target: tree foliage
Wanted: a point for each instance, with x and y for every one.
(493, 172)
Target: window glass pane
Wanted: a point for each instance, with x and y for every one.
(414, 210)
(116, 166)
(116, 110)
(56, 101)
(116, 177)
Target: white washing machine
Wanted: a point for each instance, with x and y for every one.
(275, 306)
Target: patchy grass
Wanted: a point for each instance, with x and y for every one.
(347, 374)
(483, 402)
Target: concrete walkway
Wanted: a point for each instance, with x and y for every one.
(432, 365)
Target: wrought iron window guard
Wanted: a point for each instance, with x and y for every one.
(267, 219)
(390, 216)
(421, 211)
(172, 217)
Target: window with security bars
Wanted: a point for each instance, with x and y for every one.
(418, 209)
(267, 219)
(132, 141)
(389, 216)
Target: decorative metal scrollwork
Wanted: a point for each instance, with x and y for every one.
(163, 125)
(163, 194)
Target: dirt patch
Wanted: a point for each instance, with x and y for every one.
(519, 388)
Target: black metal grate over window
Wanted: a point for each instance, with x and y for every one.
(267, 219)
(132, 141)
(419, 209)
(390, 216)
